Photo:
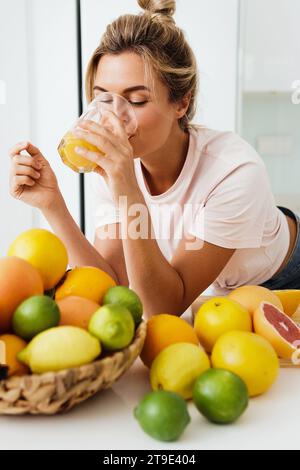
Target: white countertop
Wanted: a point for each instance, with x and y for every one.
(106, 422)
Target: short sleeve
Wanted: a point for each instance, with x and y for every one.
(233, 216)
(104, 208)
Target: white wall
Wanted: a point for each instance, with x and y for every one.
(38, 63)
(14, 112)
(211, 27)
(271, 44)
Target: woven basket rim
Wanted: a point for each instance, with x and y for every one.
(139, 334)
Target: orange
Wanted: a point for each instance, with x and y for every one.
(12, 346)
(251, 296)
(290, 299)
(278, 328)
(76, 311)
(249, 356)
(164, 330)
(217, 316)
(18, 281)
(45, 251)
(86, 281)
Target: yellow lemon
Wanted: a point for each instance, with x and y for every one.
(218, 316)
(43, 250)
(249, 356)
(86, 281)
(177, 367)
(59, 348)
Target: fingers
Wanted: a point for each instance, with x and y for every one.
(95, 157)
(23, 170)
(22, 181)
(98, 140)
(26, 161)
(28, 146)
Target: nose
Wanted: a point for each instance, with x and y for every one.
(120, 108)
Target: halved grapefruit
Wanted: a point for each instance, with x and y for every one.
(278, 328)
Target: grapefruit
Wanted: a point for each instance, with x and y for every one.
(290, 299)
(164, 330)
(76, 311)
(251, 296)
(18, 281)
(217, 316)
(248, 355)
(278, 328)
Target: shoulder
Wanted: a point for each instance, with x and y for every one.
(226, 148)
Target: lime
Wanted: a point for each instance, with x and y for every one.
(128, 298)
(163, 415)
(113, 325)
(220, 396)
(34, 315)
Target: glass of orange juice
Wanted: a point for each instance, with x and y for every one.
(96, 112)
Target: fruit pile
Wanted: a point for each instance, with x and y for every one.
(52, 319)
(230, 354)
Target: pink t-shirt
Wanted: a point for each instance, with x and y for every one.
(222, 196)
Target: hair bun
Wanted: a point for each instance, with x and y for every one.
(163, 9)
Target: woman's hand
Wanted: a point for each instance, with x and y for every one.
(32, 179)
(116, 166)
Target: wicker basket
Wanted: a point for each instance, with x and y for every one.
(56, 392)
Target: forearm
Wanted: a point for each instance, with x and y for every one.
(80, 251)
(151, 276)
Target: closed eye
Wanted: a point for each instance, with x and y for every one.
(134, 103)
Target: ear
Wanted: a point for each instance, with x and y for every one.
(181, 106)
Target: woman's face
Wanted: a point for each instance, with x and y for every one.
(156, 116)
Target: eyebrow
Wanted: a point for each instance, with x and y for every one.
(133, 88)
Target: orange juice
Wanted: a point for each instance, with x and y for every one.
(72, 159)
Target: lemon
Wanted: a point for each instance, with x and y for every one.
(60, 348)
(218, 316)
(88, 282)
(35, 315)
(176, 368)
(122, 295)
(43, 250)
(113, 325)
(249, 356)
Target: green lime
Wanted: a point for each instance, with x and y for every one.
(113, 325)
(163, 415)
(34, 315)
(220, 396)
(128, 298)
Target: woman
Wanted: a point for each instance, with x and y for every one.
(209, 189)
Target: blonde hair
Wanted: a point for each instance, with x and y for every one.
(154, 36)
